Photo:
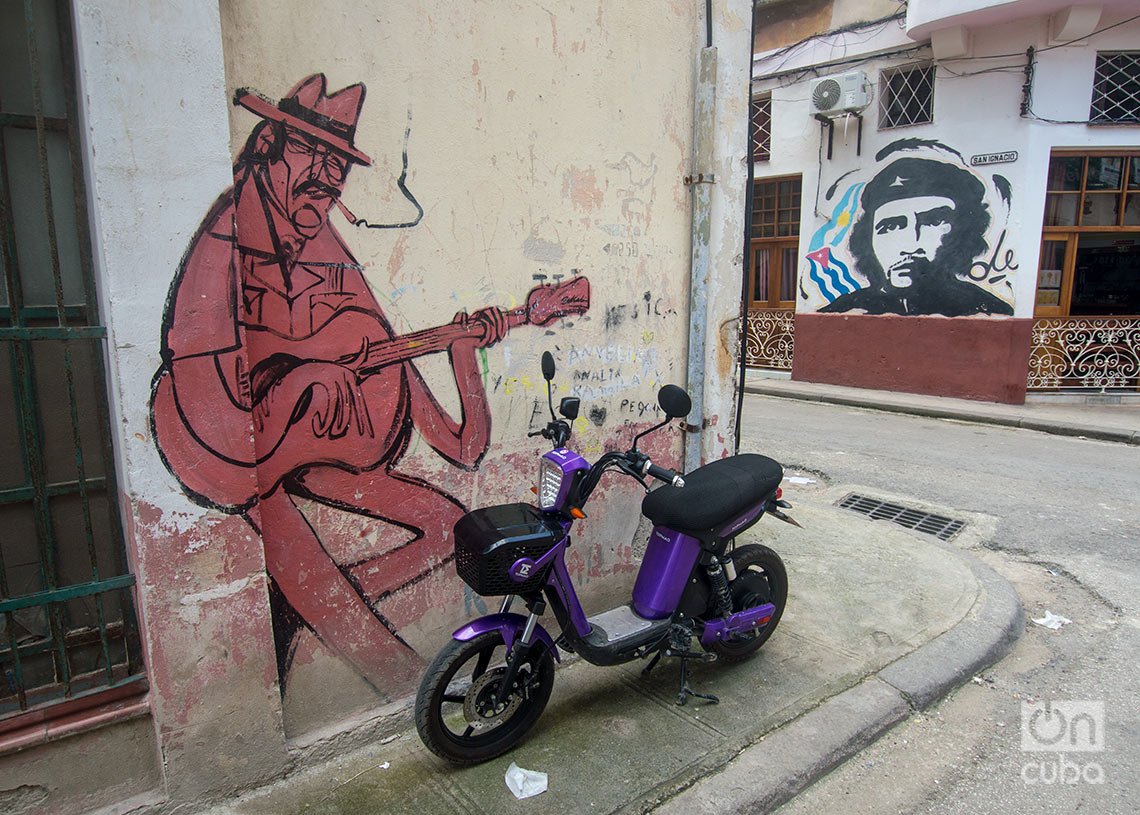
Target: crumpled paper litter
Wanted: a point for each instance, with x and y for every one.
(525, 783)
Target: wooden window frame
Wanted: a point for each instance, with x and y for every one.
(1124, 153)
(1072, 233)
(776, 243)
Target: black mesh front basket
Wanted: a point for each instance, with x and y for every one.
(488, 541)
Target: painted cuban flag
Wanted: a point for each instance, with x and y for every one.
(831, 276)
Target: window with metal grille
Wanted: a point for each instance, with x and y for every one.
(1116, 89)
(906, 96)
(762, 128)
(67, 619)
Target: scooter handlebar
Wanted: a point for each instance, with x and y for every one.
(662, 474)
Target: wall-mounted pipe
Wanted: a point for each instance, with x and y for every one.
(700, 183)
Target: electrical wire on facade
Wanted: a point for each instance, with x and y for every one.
(1027, 94)
(1050, 47)
(797, 75)
(881, 24)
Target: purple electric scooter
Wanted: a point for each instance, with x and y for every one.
(697, 596)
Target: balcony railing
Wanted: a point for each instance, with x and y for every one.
(1093, 353)
(769, 340)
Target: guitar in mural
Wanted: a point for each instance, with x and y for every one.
(270, 326)
(310, 437)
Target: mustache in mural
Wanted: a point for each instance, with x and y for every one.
(402, 183)
(313, 186)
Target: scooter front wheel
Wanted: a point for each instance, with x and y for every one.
(456, 712)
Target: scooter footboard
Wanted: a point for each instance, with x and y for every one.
(510, 625)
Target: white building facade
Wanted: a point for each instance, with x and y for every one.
(958, 212)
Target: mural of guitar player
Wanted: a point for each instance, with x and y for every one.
(270, 323)
(917, 234)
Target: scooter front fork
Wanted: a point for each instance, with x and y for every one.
(519, 651)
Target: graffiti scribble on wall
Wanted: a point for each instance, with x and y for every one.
(917, 238)
(271, 324)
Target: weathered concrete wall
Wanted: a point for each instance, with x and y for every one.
(541, 146)
(83, 772)
(781, 23)
(290, 525)
(153, 101)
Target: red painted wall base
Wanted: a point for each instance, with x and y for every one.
(986, 359)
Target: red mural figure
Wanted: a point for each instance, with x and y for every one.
(270, 324)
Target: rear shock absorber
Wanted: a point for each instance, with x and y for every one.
(721, 594)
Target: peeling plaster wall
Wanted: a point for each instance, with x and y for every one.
(542, 147)
(541, 144)
(152, 97)
(731, 37)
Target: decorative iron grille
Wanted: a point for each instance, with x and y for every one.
(67, 621)
(762, 128)
(1116, 89)
(1075, 352)
(769, 341)
(906, 96)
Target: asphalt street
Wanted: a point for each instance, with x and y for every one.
(1060, 519)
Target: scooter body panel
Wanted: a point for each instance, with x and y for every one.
(669, 559)
(737, 623)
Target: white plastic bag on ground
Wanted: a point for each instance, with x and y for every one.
(1051, 620)
(525, 783)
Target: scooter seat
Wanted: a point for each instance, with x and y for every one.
(715, 493)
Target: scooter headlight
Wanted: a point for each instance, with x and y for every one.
(549, 483)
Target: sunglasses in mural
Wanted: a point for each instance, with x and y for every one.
(270, 325)
(911, 240)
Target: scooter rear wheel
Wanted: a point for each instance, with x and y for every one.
(760, 578)
(456, 715)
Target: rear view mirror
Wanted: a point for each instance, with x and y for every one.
(547, 366)
(674, 401)
(568, 407)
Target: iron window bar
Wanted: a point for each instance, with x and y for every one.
(1116, 89)
(906, 96)
(80, 630)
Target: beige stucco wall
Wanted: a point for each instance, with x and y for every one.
(540, 143)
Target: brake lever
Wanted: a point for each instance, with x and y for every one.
(627, 468)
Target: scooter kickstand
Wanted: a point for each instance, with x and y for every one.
(652, 664)
(685, 691)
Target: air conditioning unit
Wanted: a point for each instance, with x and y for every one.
(839, 94)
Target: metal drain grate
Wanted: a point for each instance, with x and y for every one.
(937, 525)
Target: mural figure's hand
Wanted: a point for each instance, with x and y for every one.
(493, 322)
(360, 357)
(344, 408)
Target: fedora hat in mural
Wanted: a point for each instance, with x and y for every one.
(331, 118)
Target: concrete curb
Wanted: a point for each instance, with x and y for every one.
(786, 761)
(979, 640)
(964, 414)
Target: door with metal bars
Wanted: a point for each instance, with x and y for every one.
(67, 618)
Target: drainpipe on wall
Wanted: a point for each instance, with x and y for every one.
(701, 180)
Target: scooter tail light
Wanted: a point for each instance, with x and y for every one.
(779, 493)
